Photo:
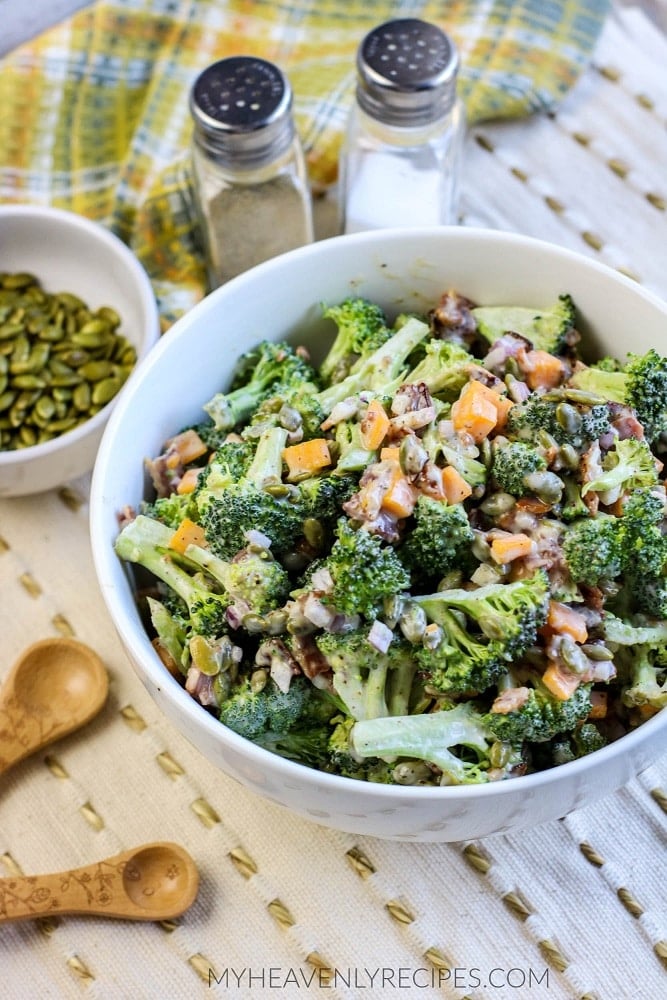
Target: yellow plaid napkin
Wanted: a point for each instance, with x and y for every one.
(95, 111)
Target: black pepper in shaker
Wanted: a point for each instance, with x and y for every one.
(250, 183)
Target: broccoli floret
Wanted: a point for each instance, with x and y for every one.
(572, 506)
(644, 550)
(439, 538)
(323, 497)
(235, 457)
(145, 541)
(255, 582)
(547, 329)
(228, 509)
(362, 329)
(170, 510)
(647, 677)
(513, 464)
(267, 714)
(444, 369)
(592, 549)
(368, 683)
(501, 623)
(292, 403)
(258, 372)
(541, 717)
(536, 414)
(380, 372)
(364, 571)
(440, 738)
(585, 739)
(630, 464)
(641, 384)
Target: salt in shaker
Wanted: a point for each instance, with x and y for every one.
(400, 160)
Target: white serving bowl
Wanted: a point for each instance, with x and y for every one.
(70, 253)
(402, 270)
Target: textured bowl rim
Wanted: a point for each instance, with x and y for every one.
(150, 336)
(194, 715)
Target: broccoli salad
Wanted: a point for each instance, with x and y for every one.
(438, 557)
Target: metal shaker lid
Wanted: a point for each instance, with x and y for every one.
(241, 108)
(407, 72)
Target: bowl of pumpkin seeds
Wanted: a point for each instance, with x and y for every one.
(77, 314)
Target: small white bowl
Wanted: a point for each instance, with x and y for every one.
(402, 270)
(69, 253)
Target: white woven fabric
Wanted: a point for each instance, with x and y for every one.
(574, 909)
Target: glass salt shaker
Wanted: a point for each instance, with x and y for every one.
(249, 175)
(400, 160)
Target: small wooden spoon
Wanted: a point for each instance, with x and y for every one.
(56, 686)
(152, 882)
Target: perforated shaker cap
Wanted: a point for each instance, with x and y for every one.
(242, 111)
(407, 72)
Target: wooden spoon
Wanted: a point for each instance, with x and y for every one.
(151, 882)
(56, 686)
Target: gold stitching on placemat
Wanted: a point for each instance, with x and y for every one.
(629, 902)
(477, 858)
(203, 967)
(55, 767)
(399, 911)
(72, 500)
(520, 174)
(609, 73)
(169, 765)
(243, 863)
(554, 204)
(629, 274)
(553, 955)
(280, 913)
(360, 862)
(484, 142)
(645, 101)
(581, 137)
(30, 585)
(517, 904)
(205, 812)
(4, 545)
(91, 816)
(324, 968)
(61, 625)
(132, 718)
(593, 241)
(660, 949)
(657, 200)
(618, 167)
(80, 969)
(591, 854)
(169, 925)
(12, 866)
(660, 798)
(438, 959)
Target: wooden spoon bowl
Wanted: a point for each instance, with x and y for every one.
(55, 687)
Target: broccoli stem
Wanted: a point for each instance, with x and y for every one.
(145, 541)
(267, 463)
(425, 737)
(379, 370)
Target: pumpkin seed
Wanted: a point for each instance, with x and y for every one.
(60, 362)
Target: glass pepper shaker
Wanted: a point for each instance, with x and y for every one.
(400, 160)
(250, 183)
